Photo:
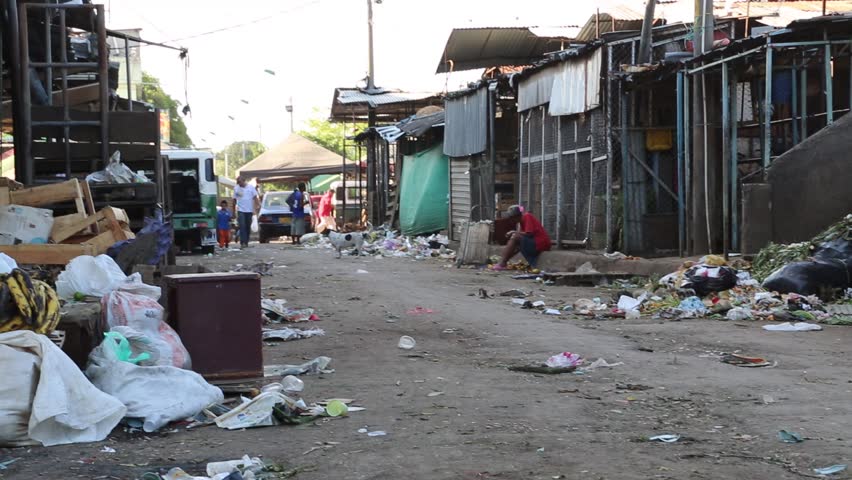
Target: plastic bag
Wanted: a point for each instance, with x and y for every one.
(145, 315)
(158, 395)
(254, 226)
(707, 279)
(254, 413)
(45, 398)
(97, 276)
(564, 360)
(116, 172)
(7, 263)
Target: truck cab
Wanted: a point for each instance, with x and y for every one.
(194, 190)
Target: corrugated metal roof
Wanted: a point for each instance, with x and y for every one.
(470, 48)
(348, 97)
(390, 106)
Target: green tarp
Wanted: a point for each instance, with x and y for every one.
(321, 183)
(424, 192)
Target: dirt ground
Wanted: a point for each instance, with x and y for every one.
(489, 422)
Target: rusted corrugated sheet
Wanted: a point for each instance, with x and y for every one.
(466, 123)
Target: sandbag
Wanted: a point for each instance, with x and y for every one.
(157, 395)
(46, 399)
(145, 315)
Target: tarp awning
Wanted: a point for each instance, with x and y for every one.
(424, 192)
(295, 157)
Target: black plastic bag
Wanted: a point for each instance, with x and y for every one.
(698, 279)
(831, 268)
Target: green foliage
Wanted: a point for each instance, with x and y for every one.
(235, 156)
(152, 92)
(331, 135)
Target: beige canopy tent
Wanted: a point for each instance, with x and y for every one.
(295, 158)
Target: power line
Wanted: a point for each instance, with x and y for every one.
(245, 24)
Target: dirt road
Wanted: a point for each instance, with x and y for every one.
(452, 410)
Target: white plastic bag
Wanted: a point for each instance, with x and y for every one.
(254, 226)
(45, 398)
(255, 413)
(158, 395)
(145, 315)
(564, 360)
(97, 276)
(116, 172)
(7, 263)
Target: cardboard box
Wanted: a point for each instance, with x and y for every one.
(19, 224)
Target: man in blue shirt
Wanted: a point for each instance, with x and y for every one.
(297, 228)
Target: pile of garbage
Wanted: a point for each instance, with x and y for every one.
(386, 242)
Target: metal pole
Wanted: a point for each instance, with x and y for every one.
(803, 100)
(127, 68)
(66, 108)
(541, 197)
(559, 182)
(371, 81)
(794, 104)
(680, 147)
(735, 208)
(609, 133)
(625, 170)
(576, 173)
(103, 84)
(829, 86)
(492, 102)
(687, 158)
(726, 159)
(48, 56)
(343, 180)
(521, 159)
(529, 161)
(767, 108)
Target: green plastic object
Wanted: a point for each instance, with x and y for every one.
(336, 408)
(122, 350)
(424, 192)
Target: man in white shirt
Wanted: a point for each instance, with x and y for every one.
(246, 203)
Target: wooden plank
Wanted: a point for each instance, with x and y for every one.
(58, 235)
(88, 204)
(4, 196)
(102, 242)
(117, 214)
(66, 220)
(48, 194)
(46, 254)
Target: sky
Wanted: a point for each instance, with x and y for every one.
(312, 46)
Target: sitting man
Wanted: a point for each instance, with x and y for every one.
(530, 238)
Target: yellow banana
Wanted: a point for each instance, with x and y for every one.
(12, 323)
(49, 318)
(21, 301)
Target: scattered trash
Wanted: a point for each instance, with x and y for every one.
(538, 304)
(563, 360)
(261, 268)
(5, 464)
(360, 271)
(586, 268)
(693, 305)
(830, 470)
(517, 293)
(314, 367)
(585, 306)
(377, 433)
(157, 394)
(242, 466)
(362, 430)
(601, 363)
(739, 313)
(540, 450)
(108, 450)
(552, 311)
(615, 256)
(743, 361)
(434, 394)
(406, 343)
(287, 333)
(707, 278)
(483, 294)
(665, 438)
(790, 327)
(420, 311)
(790, 437)
(277, 311)
(541, 369)
(336, 408)
(97, 276)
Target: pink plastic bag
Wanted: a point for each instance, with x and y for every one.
(145, 315)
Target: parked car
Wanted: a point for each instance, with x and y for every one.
(275, 217)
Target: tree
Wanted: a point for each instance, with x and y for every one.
(331, 135)
(236, 158)
(152, 92)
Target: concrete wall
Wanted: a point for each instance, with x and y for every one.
(812, 184)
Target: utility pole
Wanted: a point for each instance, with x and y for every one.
(289, 109)
(371, 81)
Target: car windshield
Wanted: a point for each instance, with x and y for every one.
(275, 200)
